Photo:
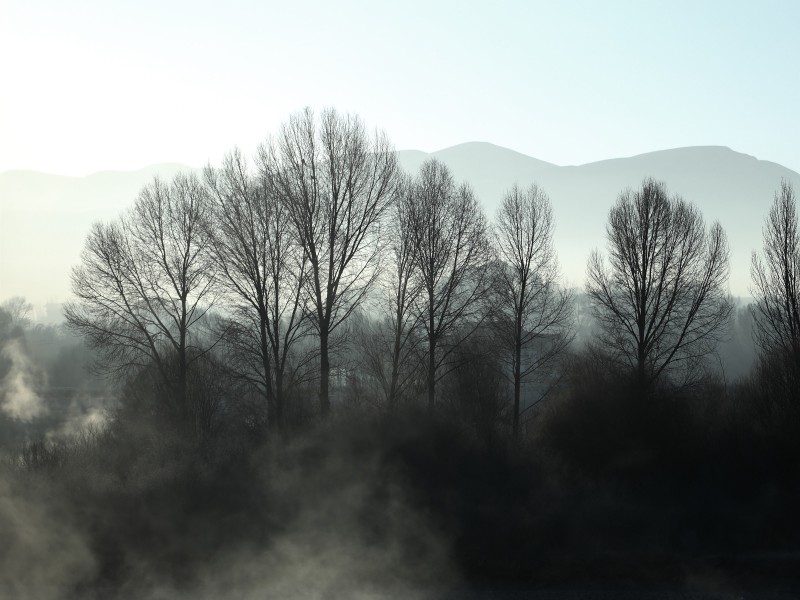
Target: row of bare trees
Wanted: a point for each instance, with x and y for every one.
(449, 275)
(661, 301)
(266, 262)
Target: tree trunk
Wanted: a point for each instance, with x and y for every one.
(267, 373)
(183, 401)
(392, 399)
(279, 412)
(517, 386)
(431, 373)
(641, 374)
(324, 374)
(395, 376)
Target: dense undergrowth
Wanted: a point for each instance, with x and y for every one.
(606, 484)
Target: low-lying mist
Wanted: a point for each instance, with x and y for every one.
(407, 506)
(331, 514)
(106, 494)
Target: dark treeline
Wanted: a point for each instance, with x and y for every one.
(334, 379)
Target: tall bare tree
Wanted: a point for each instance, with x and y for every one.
(337, 183)
(145, 284)
(452, 258)
(534, 317)
(391, 345)
(662, 303)
(263, 267)
(776, 280)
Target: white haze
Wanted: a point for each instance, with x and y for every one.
(19, 390)
(45, 218)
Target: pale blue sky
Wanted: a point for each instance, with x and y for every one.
(94, 85)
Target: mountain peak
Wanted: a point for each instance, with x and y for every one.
(487, 150)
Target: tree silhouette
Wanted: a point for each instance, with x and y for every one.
(776, 283)
(262, 270)
(452, 256)
(661, 304)
(533, 315)
(390, 346)
(337, 184)
(19, 311)
(145, 284)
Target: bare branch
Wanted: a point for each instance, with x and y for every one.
(533, 316)
(337, 184)
(661, 303)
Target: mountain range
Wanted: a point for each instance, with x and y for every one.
(727, 186)
(44, 218)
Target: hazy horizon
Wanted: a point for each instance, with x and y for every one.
(45, 217)
(175, 163)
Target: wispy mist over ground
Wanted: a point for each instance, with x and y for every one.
(45, 552)
(365, 508)
(690, 495)
(329, 516)
(21, 384)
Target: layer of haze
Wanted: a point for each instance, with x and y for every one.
(44, 218)
(94, 85)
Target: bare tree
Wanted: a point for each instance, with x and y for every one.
(776, 280)
(337, 183)
(534, 317)
(390, 346)
(262, 267)
(19, 310)
(776, 277)
(662, 305)
(144, 285)
(452, 256)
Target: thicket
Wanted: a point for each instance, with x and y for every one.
(683, 487)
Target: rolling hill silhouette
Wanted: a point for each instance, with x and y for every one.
(44, 218)
(734, 188)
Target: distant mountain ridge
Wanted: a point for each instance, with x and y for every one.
(19, 186)
(44, 218)
(734, 188)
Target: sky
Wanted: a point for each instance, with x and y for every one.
(96, 85)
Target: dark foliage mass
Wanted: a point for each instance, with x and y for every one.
(325, 379)
(692, 491)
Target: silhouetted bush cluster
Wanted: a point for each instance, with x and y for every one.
(607, 485)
